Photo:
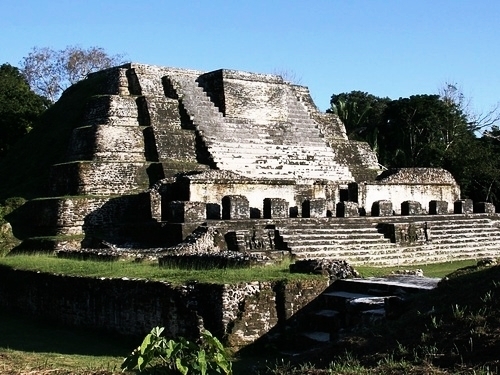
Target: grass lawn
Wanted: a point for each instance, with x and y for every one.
(31, 347)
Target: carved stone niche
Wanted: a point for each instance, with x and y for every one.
(382, 208)
(484, 208)
(411, 208)
(438, 207)
(463, 206)
(186, 212)
(275, 208)
(235, 207)
(314, 207)
(347, 209)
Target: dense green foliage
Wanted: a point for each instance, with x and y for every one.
(425, 131)
(20, 107)
(25, 170)
(208, 356)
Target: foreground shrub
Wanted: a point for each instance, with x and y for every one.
(180, 356)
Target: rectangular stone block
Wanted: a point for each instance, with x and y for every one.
(438, 207)
(484, 208)
(186, 212)
(314, 208)
(275, 208)
(347, 209)
(213, 211)
(235, 207)
(382, 208)
(411, 208)
(463, 206)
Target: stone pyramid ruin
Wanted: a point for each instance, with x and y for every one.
(227, 160)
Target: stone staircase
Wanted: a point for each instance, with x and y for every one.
(349, 304)
(290, 150)
(366, 240)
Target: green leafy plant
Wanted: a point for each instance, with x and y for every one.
(183, 356)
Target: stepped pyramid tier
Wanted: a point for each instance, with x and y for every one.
(158, 153)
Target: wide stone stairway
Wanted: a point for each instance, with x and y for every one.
(368, 240)
(293, 149)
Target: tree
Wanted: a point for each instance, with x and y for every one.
(421, 130)
(20, 107)
(361, 114)
(49, 72)
(453, 94)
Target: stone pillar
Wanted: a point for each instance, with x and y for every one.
(347, 209)
(438, 207)
(275, 208)
(186, 212)
(382, 208)
(411, 208)
(213, 211)
(314, 207)
(235, 207)
(484, 208)
(463, 206)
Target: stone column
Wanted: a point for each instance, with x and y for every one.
(275, 208)
(186, 212)
(411, 208)
(235, 207)
(347, 209)
(382, 208)
(463, 206)
(438, 207)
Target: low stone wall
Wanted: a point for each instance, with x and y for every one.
(241, 313)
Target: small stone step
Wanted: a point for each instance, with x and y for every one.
(319, 337)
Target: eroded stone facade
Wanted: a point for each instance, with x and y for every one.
(160, 151)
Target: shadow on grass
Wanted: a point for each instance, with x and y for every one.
(26, 334)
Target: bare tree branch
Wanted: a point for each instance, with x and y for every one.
(50, 72)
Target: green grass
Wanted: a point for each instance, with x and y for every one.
(151, 270)
(429, 270)
(38, 347)
(148, 270)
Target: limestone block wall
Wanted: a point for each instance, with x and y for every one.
(241, 313)
(206, 190)
(257, 97)
(99, 178)
(368, 193)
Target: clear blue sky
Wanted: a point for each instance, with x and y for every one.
(393, 48)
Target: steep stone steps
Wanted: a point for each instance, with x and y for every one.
(211, 125)
(350, 304)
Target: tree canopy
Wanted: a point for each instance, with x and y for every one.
(20, 107)
(427, 131)
(49, 72)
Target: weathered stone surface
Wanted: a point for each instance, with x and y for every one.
(409, 234)
(235, 207)
(275, 208)
(438, 207)
(411, 208)
(464, 206)
(382, 208)
(484, 208)
(315, 208)
(239, 313)
(185, 211)
(347, 209)
(333, 268)
(187, 135)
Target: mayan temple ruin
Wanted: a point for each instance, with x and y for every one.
(197, 162)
